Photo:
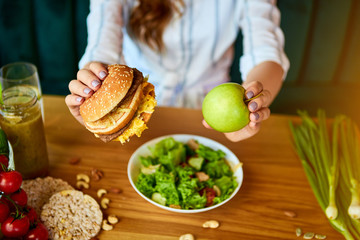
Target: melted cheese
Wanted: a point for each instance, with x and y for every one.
(137, 125)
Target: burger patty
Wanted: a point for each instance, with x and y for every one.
(109, 137)
(138, 79)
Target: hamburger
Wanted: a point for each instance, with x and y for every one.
(121, 107)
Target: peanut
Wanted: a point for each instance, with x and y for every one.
(74, 160)
(290, 214)
(96, 174)
(115, 190)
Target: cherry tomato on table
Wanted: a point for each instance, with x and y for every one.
(31, 214)
(19, 197)
(4, 211)
(38, 233)
(12, 227)
(10, 181)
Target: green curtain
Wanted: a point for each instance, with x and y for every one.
(50, 34)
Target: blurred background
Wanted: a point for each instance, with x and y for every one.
(322, 43)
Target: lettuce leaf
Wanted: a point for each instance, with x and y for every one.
(210, 154)
(146, 184)
(169, 153)
(217, 169)
(165, 185)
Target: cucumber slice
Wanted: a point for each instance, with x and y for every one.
(196, 162)
(156, 197)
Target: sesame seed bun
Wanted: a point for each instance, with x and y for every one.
(131, 112)
(113, 89)
(118, 118)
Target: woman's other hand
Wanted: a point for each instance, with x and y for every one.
(88, 81)
(259, 112)
(264, 79)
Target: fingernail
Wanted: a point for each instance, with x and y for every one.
(253, 106)
(79, 99)
(87, 90)
(256, 115)
(249, 95)
(102, 74)
(95, 83)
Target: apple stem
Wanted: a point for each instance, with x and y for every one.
(250, 99)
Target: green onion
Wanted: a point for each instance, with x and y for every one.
(350, 168)
(331, 160)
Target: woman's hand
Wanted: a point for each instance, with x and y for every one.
(88, 81)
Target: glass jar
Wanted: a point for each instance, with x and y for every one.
(21, 120)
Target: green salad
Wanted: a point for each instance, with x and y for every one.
(185, 175)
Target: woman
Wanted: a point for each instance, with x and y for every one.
(186, 47)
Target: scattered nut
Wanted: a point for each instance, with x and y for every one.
(115, 190)
(74, 160)
(106, 226)
(81, 185)
(96, 174)
(298, 232)
(83, 177)
(309, 235)
(187, 236)
(113, 219)
(101, 192)
(217, 190)
(211, 224)
(202, 176)
(105, 203)
(320, 236)
(290, 214)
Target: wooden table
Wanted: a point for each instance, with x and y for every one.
(274, 180)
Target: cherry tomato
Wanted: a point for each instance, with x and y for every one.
(12, 227)
(10, 181)
(31, 214)
(20, 197)
(38, 233)
(210, 195)
(4, 163)
(10, 204)
(4, 212)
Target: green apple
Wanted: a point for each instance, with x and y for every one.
(224, 108)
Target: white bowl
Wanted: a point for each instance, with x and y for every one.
(134, 166)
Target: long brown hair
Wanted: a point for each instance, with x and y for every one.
(149, 19)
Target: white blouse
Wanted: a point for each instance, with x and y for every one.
(199, 45)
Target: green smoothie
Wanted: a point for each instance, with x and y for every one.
(22, 122)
